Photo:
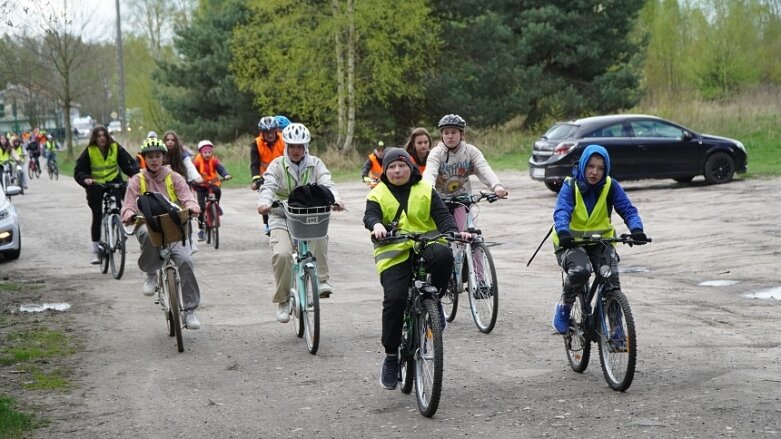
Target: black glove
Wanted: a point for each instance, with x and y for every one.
(639, 236)
(566, 240)
(257, 182)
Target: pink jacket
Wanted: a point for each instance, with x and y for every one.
(156, 183)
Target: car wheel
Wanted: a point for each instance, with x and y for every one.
(684, 179)
(554, 186)
(719, 168)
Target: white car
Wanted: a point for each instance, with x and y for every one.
(114, 126)
(10, 231)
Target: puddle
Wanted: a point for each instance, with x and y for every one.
(630, 269)
(771, 293)
(717, 283)
(45, 307)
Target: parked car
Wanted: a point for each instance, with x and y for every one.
(640, 147)
(114, 126)
(10, 231)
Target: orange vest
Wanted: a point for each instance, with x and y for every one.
(421, 168)
(141, 161)
(376, 170)
(268, 154)
(207, 169)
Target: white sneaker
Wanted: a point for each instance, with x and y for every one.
(193, 248)
(95, 260)
(283, 312)
(325, 290)
(191, 321)
(150, 284)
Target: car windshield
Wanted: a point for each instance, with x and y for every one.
(560, 131)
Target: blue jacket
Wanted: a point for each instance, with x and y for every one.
(565, 203)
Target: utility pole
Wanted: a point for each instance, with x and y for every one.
(122, 121)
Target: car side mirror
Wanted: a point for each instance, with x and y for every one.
(686, 136)
(11, 191)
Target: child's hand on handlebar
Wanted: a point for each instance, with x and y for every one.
(379, 232)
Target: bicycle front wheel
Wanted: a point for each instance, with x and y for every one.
(429, 359)
(56, 172)
(174, 302)
(310, 310)
(576, 342)
(617, 341)
(50, 171)
(117, 247)
(30, 170)
(483, 288)
(103, 250)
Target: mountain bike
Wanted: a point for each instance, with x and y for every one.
(476, 274)
(51, 167)
(33, 169)
(303, 225)
(113, 237)
(169, 283)
(602, 315)
(421, 353)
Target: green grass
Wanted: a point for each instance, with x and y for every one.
(36, 344)
(53, 380)
(12, 422)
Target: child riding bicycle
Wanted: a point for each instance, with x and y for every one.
(173, 187)
(211, 170)
(583, 208)
(402, 197)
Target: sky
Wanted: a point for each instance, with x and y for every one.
(97, 16)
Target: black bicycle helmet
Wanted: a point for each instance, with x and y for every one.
(452, 120)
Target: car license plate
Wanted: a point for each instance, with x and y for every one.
(538, 172)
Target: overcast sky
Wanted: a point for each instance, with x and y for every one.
(99, 16)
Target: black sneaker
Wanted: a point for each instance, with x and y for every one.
(389, 374)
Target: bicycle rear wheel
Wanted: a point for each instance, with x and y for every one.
(406, 356)
(576, 343)
(174, 301)
(483, 288)
(117, 247)
(428, 359)
(617, 341)
(310, 310)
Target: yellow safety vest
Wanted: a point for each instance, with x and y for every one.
(5, 155)
(284, 189)
(416, 218)
(582, 224)
(104, 169)
(169, 186)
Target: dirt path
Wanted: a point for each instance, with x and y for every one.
(708, 362)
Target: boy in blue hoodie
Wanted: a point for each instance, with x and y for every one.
(583, 208)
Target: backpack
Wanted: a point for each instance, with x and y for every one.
(153, 205)
(310, 195)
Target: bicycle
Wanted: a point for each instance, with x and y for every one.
(169, 283)
(113, 237)
(477, 272)
(421, 353)
(33, 169)
(211, 218)
(51, 167)
(605, 318)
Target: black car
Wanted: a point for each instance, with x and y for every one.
(640, 147)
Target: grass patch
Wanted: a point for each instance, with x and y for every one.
(56, 379)
(15, 287)
(36, 344)
(12, 422)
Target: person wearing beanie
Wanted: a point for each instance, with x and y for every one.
(402, 197)
(372, 168)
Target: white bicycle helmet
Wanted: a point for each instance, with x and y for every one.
(297, 134)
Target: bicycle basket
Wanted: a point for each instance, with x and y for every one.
(171, 232)
(307, 222)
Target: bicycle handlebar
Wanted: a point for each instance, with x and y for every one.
(623, 238)
(470, 199)
(395, 236)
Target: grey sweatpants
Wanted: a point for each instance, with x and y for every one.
(150, 261)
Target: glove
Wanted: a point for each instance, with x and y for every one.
(566, 240)
(639, 236)
(257, 182)
(367, 180)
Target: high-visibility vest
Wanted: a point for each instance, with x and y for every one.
(104, 169)
(416, 218)
(376, 170)
(266, 153)
(582, 224)
(169, 185)
(284, 189)
(208, 170)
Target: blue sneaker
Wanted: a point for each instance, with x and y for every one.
(389, 374)
(561, 317)
(618, 340)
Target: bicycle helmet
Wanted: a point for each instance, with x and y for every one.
(282, 121)
(297, 134)
(153, 144)
(268, 123)
(452, 120)
(204, 143)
